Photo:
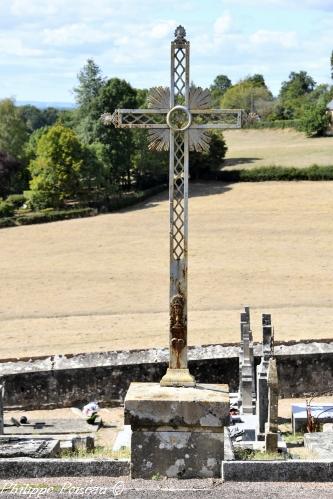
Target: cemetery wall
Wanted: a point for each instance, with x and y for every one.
(63, 381)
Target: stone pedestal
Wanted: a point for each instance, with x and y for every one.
(177, 431)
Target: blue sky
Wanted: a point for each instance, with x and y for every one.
(44, 43)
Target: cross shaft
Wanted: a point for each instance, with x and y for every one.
(177, 121)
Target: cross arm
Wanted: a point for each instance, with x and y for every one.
(136, 118)
(219, 118)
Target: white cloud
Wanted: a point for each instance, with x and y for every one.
(162, 29)
(222, 25)
(294, 4)
(74, 34)
(285, 39)
(12, 46)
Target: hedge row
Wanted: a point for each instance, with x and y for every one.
(48, 216)
(114, 203)
(267, 173)
(274, 124)
(123, 200)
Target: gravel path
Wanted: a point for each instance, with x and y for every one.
(56, 488)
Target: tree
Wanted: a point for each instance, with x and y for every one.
(9, 169)
(61, 170)
(332, 65)
(90, 83)
(315, 120)
(298, 85)
(251, 98)
(257, 80)
(218, 88)
(13, 132)
(203, 162)
(118, 144)
(35, 118)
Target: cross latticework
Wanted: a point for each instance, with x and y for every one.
(177, 120)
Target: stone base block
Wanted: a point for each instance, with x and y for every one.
(177, 431)
(176, 454)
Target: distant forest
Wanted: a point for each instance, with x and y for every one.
(54, 157)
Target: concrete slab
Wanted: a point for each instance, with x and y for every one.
(320, 444)
(51, 427)
(278, 471)
(17, 447)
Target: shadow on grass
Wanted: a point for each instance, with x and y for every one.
(239, 161)
(196, 189)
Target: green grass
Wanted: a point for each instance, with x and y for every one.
(98, 452)
(291, 438)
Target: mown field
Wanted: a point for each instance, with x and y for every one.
(255, 148)
(101, 283)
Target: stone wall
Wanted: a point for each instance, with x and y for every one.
(63, 381)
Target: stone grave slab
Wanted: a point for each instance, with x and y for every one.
(320, 443)
(66, 440)
(51, 427)
(11, 447)
(322, 411)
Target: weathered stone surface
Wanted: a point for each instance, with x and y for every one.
(321, 444)
(66, 440)
(151, 405)
(64, 381)
(177, 432)
(271, 442)
(37, 468)
(16, 447)
(178, 454)
(277, 471)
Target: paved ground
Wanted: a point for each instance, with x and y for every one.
(107, 487)
(101, 283)
(253, 148)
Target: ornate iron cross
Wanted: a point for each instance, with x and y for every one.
(177, 120)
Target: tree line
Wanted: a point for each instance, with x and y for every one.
(60, 156)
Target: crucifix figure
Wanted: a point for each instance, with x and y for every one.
(176, 119)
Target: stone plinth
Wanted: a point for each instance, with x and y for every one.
(177, 431)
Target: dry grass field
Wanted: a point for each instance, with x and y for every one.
(102, 283)
(254, 148)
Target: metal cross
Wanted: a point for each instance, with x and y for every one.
(177, 120)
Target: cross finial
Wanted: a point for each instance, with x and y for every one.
(180, 34)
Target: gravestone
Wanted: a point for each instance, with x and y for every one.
(177, 426)
(262, 371)
(271, 427)
(2, 393)
(246, 366)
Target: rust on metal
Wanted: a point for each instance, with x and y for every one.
(177, 326)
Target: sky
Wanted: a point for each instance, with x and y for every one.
(45, 43)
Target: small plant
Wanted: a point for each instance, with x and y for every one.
(293, 438)
(156, 476)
